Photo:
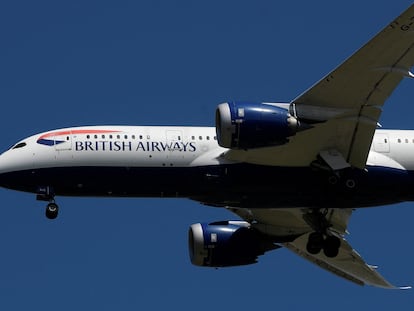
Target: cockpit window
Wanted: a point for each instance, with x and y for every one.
(19, 145)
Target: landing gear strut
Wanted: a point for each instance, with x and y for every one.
(321, 239)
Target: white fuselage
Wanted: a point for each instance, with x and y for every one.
(146, 161)
(115, 146)
(150, 146)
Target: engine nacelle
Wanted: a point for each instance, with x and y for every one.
(253, 125)
(224, 244)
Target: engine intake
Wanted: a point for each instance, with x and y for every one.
(224, 244)
(253, 125)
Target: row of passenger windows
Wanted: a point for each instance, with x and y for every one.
(141, 137)
(400, 140)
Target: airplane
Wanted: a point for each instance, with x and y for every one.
(292, 172)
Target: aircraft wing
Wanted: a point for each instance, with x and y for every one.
(347, 102)
(348, 264)
(291, 228)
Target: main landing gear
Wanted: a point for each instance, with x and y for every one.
(317, 242)
(321, 239)
(47, 194)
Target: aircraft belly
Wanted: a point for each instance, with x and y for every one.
(237, 185)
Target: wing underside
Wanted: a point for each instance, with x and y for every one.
(348, 264)
(291, 228)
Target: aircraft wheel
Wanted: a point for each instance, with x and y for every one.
(333, 180)
(52, 210)
(350, 183)
(331, 247)
(315, 243)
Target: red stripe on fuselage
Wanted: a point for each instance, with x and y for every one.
(71, 132)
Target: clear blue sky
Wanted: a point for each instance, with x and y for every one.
(171, 62)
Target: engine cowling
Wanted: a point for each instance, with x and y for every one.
(253, 125)
(224, 244)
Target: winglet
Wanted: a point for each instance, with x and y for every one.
(404, 287)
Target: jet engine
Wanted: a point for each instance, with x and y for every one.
(253, 125)
(226, 243)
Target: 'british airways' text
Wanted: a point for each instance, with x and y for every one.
(149, 146)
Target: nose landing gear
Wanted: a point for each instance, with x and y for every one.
(47, 194)
(52, 210)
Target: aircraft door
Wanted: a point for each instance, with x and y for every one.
(63, 141)
(175, 147)
(174, 136)
(381, 143)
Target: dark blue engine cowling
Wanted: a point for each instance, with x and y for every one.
(224, 244)
(253, 125)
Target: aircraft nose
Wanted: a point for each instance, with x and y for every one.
(11, 163)
(5, 168)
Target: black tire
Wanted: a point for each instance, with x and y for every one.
(331, 247)
(52, 210)
(315, 243)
